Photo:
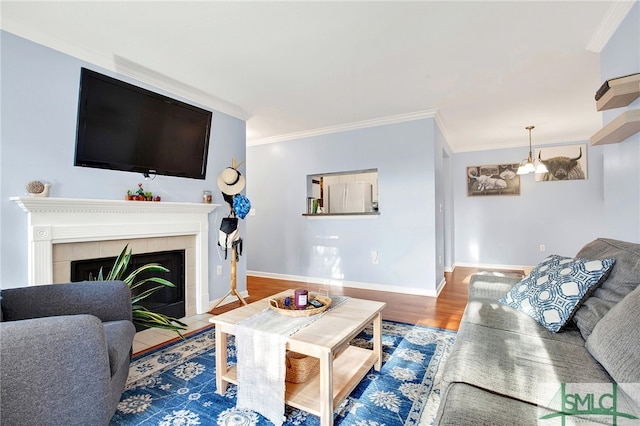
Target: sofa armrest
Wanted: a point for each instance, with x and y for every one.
(54, 370)
(107, 300)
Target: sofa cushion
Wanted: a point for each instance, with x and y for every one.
(515, 365)
(623, 279)
(493, 287)
(462, 404)
(494, 315)
(615, 339)
(554, 289)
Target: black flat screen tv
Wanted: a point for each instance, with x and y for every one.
(125, 127)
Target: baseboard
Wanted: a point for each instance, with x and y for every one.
(350, 284)
(441, 285)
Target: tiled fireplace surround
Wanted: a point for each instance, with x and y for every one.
(61, 230)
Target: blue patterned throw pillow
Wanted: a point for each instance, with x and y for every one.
(556, 288)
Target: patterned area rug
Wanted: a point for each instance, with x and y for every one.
(175, 385)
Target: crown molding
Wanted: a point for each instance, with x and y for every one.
(127, 68)
(558, 140)
(141, 73)
(609, 24)
(394, 119)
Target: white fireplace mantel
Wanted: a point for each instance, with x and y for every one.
(69, 220)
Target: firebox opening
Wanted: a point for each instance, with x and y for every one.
(167, 300)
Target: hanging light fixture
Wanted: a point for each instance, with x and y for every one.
(531, 164)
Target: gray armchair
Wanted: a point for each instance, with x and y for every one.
(64, 352)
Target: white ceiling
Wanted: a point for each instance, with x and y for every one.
(486, 69)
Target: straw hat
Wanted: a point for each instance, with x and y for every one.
(231, 181)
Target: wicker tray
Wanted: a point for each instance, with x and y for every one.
(277, 305)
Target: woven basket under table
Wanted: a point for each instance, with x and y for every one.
(301, 368)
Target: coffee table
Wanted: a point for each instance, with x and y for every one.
(342, 366)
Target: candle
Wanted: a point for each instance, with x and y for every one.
(301, 298)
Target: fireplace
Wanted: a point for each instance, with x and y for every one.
(61, 230)
(165, 300)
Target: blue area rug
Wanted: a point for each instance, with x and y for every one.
(175, 385)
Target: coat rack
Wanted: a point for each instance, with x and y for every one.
(233, 291)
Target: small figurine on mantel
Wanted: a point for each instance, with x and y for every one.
(36, 188)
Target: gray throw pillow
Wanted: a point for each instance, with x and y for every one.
(615, 340)
(623, 279)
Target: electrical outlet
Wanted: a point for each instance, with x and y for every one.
(219, 270)
(542, 247)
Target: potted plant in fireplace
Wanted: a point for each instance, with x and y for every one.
(141, 315)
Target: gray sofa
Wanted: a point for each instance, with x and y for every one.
(64, 354)
(506, 368)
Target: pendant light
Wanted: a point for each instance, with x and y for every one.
(530, 164)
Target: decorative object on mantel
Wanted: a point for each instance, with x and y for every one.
(142, 315)
(531, 164)
(231, 183)
(35, 188)
(141, 195)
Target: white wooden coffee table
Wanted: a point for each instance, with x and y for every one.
(325, 338)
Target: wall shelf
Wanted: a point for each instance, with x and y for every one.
(622, 91)
(625, 125)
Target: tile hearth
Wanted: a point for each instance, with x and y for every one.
(152, 337)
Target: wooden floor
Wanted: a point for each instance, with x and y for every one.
(444, 311)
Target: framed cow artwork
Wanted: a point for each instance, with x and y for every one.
(495, 179)
(567, 162)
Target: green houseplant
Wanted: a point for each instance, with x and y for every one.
(141, 315)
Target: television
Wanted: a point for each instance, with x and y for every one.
(125, 127)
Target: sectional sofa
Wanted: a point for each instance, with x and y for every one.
(561, 344)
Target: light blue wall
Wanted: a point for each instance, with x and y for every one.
(508, 230)
(39, 110)
(561, 215)
(283, 242)
(490, 231)
(621, 56)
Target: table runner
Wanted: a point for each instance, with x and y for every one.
(261, 352)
